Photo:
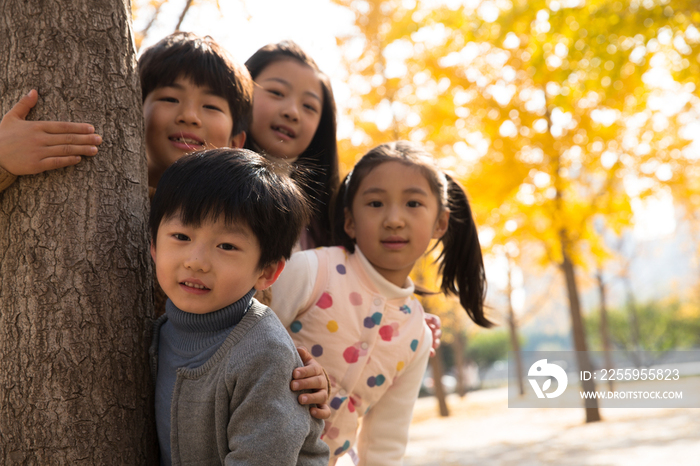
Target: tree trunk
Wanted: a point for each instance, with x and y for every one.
(436, 365)
(76, 286)
(584, 362)
(604, 330)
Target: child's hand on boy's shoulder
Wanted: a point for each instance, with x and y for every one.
(30, 147)
(312, 377)
(434, 325)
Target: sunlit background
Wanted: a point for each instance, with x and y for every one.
(574, 126)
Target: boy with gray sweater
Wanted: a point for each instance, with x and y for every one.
(222, 224)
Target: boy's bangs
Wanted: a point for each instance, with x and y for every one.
(238, 187)
(206, 72)
(210, 211)
(223, 200)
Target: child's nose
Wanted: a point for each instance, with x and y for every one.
(189, 115)
(394, 218)
(291, 112)
(197, 261)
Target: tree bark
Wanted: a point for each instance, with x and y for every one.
(76, 286)
(584, 362)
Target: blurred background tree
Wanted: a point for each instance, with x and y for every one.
(663, 326)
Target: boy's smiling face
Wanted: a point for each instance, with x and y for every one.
(182, 118)
(206, 268)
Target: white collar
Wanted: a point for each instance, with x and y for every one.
(384, 286)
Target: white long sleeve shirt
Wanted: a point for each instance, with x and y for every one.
(370, 336)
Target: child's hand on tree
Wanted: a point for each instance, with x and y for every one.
(312, 377)
(433, 322)
(30, 147)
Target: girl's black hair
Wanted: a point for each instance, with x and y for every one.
(460, 261)
(318, 164)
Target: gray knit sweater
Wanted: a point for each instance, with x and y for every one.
(237, 407)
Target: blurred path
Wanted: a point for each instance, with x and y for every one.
(483, 431)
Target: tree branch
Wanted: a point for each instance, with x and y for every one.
(182, 16)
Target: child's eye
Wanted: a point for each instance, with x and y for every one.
(213, 107)
(227, 247)
(169, 99)
(311, 107)
(275, 92)
(181, 237)
(414, 204)
(375, 204)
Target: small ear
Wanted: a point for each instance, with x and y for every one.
(238, 140)
(441, 224)
(349, 225)
(269, 275)
(153, 251)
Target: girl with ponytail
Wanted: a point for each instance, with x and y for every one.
(352, 304)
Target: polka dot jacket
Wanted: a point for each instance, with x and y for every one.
(371, 338)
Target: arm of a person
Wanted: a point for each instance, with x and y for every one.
(30, 147)
(435, 327)
(267, 425)
(291, 292)
(384, 433)
(290, 295)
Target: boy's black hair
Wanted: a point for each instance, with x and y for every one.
(207, 64)
(238, 186)
(460, 261)
(319, 161)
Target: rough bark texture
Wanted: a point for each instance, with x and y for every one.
(75, 275)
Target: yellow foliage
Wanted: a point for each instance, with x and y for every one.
(689, 310)
(542, 112)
